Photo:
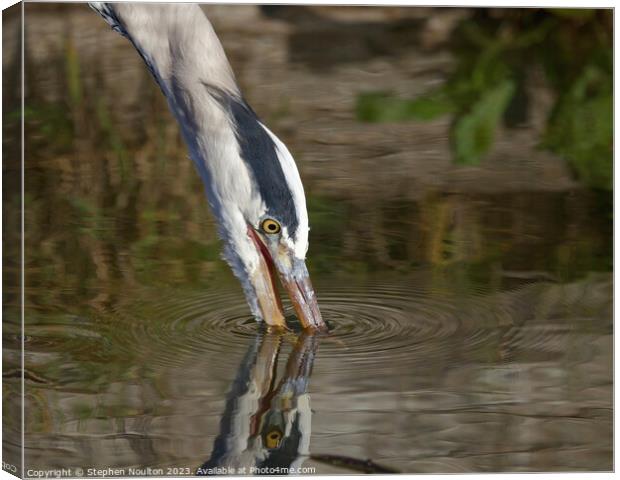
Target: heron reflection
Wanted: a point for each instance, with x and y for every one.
(266, 423)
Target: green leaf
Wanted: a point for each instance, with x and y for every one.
(474, 131)
(385, 107)
(582, 129)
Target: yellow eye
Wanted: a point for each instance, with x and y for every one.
(273, 438)
(270, 226)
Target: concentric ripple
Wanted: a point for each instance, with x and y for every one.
(386, 324)
(171, 327)
(372, 326)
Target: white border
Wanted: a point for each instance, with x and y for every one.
(460, 3)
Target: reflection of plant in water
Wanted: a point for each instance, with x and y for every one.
(498, 55)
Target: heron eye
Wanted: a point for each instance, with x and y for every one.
(273, 439)
(270, 226)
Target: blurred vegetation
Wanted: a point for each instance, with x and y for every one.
(498, 53)
(110, 209)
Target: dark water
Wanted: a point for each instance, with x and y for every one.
(471, 309)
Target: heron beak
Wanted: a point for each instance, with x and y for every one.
(295, 279)
(263, 280)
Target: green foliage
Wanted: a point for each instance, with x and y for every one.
(496, 53)
(582, 128)
(49, 125)
(383, 107)
(111, 136)
(473, 132)
(328, 218)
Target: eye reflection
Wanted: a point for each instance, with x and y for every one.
(272, 439)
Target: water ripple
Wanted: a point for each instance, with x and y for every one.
(371, 326)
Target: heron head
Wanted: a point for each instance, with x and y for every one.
(265, 249)
(282, 254)
(270, 235)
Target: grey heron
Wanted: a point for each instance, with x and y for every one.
(251, 180)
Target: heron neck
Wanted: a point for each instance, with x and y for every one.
(181, 49)
(183, 53)
(178, 44)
